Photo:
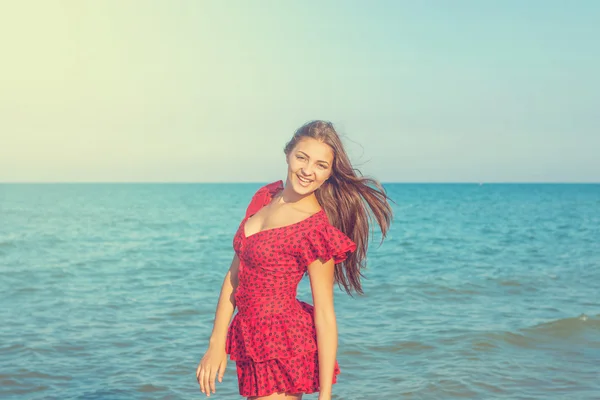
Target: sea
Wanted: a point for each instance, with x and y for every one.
(479, 291)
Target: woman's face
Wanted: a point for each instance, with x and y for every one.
(310, 163)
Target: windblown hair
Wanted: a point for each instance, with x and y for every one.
(345, 196)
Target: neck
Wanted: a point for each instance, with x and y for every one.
(289, 196)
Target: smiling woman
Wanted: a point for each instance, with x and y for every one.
(315, 224)
(310, 162)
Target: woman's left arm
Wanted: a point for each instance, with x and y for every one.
(321, 283)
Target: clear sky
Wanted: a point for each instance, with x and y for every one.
(210, 91)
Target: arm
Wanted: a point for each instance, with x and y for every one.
(215, 358)
(321, 282)
(226, 305)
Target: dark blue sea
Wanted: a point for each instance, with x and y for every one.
(108, 291)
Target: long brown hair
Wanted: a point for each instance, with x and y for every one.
(345, 196)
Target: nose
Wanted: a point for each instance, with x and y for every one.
(306, 171)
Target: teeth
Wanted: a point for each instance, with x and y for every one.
(303, 180)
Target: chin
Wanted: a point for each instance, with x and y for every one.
(301, 189)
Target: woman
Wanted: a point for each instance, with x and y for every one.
(318, 223)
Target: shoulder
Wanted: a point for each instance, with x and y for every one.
(325, 241)
(270, 188)
(263, 196)
(265, 193)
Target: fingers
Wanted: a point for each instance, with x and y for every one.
(222, 370)
(211, 380)
(201, 379)
(206, 376)
(205, 381)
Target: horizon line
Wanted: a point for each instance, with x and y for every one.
(260, 182)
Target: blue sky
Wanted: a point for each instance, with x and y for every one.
(210, 91)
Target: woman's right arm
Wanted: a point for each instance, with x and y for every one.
(215, 358)
(226, 305)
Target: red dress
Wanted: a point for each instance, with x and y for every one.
(272, 338)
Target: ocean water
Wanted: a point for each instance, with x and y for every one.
(490, 291)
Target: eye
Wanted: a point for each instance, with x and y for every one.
(322, 166)
(300, 157)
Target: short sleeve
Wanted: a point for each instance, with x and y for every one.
(325, 242)
(262, 197)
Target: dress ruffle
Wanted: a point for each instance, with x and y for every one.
(298, 374)
(325, 242)
(272, 336)
(263, 196)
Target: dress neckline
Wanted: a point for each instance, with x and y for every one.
(277, 227)
(272, 190)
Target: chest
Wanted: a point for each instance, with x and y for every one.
(279, 220)
(269, 249)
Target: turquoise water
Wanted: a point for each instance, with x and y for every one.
(108, 291)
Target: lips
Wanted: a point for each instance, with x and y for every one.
(303, 181)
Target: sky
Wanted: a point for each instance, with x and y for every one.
(211, 91)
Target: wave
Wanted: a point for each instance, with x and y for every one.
(566, 327)
(582, 331)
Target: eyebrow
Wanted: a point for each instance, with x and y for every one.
(323, 161)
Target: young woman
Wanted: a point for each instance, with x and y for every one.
(318, 224)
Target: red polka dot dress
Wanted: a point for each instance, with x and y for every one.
(272, 337)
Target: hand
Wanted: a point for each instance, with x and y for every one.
(215, 359)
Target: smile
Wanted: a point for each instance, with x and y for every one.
(303, 180)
